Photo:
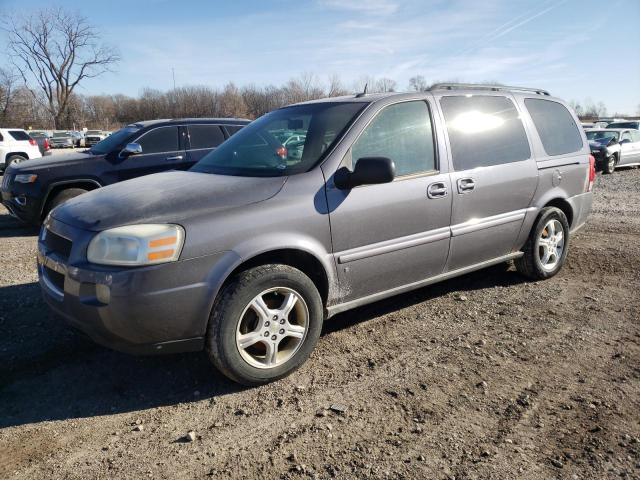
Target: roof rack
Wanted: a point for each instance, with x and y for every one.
(495, 88)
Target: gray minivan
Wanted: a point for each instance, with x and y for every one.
(263, 239)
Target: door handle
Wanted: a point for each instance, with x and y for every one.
(437, 190)
(177, 157)
(465, 185)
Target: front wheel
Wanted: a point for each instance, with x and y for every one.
(15, 159)
(62, 197)
(547, 245)
(265, 324)
(610, 166)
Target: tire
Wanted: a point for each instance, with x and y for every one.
(610, 166)
(233, 317)
(532, 264)
(15, 159)
(62, 197)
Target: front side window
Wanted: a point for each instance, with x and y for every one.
(205, 136)
(625, 136)
(483, 131)
(555, 125)
(635, 136)
(403, 133)
(284, 142)
(159, 140)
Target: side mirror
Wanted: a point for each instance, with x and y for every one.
(131, 149)
(626, 140)
(368, 171)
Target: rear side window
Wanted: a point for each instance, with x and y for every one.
(231, 129)
(403, 133)
(555, 125)
(19, 135)
(159, 140)
(205, 136)
(484, 131)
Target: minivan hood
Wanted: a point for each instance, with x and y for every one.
(50, 161)
(167, 197)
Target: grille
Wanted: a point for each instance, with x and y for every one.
(57, 279)
(57, 244)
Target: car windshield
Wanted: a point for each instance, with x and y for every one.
(284, 142)
(602, 137)
(93, 132)
(61, 134)
(115, 140)
(37, 135)
(623, 125)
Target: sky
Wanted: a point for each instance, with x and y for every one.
(576, 49)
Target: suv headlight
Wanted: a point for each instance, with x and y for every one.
(26, 178)
(134, 245)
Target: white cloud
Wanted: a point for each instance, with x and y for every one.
(370, 7)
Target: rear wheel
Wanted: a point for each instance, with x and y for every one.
(62, 197)
(610, 165)
(547, 245)
(15, 159)
(265, 324)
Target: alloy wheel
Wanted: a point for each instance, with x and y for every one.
(272, 328)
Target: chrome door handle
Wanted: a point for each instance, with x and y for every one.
(177, 157)
(437, 190)
(465, 185)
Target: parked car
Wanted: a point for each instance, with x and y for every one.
(248, 252)
(626, 124)
(62, 139)
(614, 147)
(42, 139)
(94, 136)
(16, 146)
(31, 190)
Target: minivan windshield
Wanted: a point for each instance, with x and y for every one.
(284, 142)
(113, 141)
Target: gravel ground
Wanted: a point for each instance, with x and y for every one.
(486, 376)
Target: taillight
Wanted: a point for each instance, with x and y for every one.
(282, 152)
(33, 142)
(45, 144)
(592, 172)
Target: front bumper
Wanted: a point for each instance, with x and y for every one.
(143, 310)
(21, 205)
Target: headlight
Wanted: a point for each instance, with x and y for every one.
(137, 245)
(26, 178)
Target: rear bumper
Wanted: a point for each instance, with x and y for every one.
(144, 310)
(581, 205)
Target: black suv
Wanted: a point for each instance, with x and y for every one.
(32, 188)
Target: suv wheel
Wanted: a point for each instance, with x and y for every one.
(15, 159)
(547, 245)
(265, 324)
(62, 197)
(610, 166)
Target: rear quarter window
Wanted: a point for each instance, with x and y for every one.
(19, 135)
(558, 131)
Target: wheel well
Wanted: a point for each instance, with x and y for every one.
(564, 206)
(22, 154)
(59, 188)
(303, 261)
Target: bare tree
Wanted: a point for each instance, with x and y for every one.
(418, 83)
(7, 85)
(385, 85)
(57, 50)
